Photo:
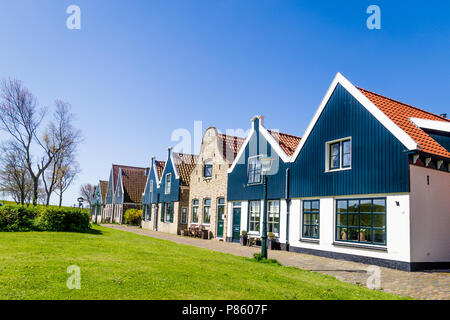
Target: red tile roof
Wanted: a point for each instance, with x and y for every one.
(400, 113)
(160, 165)
(134, 181)
(185, 163)
(286, 141)
(230, 146)
(103, 189)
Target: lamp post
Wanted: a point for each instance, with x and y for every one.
(80, 202)
(266, 166)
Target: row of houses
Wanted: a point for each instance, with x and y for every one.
(368, 181)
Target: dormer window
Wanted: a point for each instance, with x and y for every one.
(168, 183)
(338, 155)
(207, 169)
(254, 169)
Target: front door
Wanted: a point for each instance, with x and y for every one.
(220, 222)
(236, 224)
(155, 221)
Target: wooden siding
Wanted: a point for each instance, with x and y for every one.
(238, 187)
(379, 160)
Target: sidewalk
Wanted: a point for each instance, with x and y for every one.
(418, 285)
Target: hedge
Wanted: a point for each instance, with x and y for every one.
(14, 218)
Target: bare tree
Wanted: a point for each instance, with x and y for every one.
(14, 176)
(67, 171)
(87, 193)
(21, 118)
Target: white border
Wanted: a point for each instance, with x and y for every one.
(431, 124)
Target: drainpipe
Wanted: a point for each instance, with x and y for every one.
(288, 208)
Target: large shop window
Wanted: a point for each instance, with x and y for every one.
(311, 219)
(361, 220)
(273, 222)
(255, 217)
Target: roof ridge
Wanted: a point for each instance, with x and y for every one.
(127, 167)
(403, 103)
(283, 133)
(230, 136)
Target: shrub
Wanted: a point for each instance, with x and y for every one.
(63, 219)
(17, 218)
(133, 217)
(244, 233)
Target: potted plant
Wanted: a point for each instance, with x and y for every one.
(272, 241)
(344, 234)
(362, 234)
(244, 238)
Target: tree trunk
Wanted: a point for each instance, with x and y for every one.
(60, 199)
(35, 190)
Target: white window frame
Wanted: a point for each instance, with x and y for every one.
(168, 184)
(341, 149)
(151, 186)
(184, 221)
(248, 170)
(254, 232)
(277, 234)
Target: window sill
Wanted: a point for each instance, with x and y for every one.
(310, 240)
(359, 246)
(337, 170)
(254, 184)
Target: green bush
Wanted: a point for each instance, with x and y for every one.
(63, 219)
(133, 217)
(15, 218)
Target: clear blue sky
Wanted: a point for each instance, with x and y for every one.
(137, 70)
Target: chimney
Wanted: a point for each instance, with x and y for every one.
(444, 115)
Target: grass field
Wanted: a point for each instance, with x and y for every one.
(121, 265)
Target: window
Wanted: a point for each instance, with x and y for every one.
(273, 212)
(311, 219)
(254, 169)
(361, 220)
(339, 155)
(220, 209)
(151, 185)
(168, 183)
(168, 212)
(147, 212)
(207, 169)
(195, 211)
(255, 216)
(207, 211)
(184, 217)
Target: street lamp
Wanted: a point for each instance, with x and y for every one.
(266, 166)
(80, 202)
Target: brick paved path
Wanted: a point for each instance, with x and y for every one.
(418, 285)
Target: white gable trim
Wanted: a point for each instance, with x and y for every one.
(401, 135)
(165, 167)
(269, 138)
(431, 124)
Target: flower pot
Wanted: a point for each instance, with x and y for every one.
(244, 240)
(362, 236)
(272, 244)
(343, 235)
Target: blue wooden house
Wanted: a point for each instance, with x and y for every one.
(245, 183)
(169, 197)
(368, 182)
(98, 201)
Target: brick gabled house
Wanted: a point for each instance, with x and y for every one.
(208, 187)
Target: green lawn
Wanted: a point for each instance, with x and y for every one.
(122, 265)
